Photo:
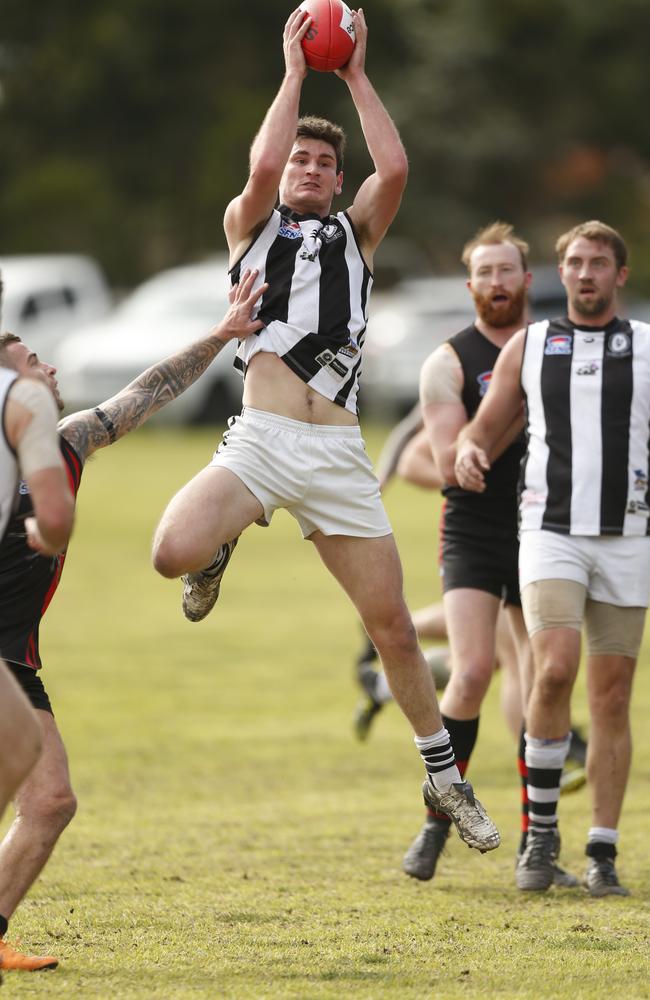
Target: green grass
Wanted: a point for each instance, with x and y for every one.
(233, 840)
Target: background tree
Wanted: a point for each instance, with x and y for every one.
(125, 127)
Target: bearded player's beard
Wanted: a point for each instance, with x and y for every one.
(504, 313)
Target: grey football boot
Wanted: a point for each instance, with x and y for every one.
(201, 590)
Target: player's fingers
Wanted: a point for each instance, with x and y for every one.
(304, 27)
(259, 292)
(294, 16)
(246, 282)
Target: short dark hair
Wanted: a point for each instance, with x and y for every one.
(495, 233)
(5, 340)
(597, 231)
(311, 127)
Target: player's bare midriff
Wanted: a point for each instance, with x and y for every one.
(271, 385)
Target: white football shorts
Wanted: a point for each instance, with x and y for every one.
(614, 569)
(319, 473)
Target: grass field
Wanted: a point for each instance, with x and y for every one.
(233, 840)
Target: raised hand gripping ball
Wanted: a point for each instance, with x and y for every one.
(330, 37)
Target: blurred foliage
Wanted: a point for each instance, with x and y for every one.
(125, 127)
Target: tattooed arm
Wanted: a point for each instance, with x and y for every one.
(89, 430)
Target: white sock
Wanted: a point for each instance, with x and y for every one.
(439, 759)
(602, 835)
(383, 693)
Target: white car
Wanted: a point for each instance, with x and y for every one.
(46, 296)
(406, 324)
(167, 312)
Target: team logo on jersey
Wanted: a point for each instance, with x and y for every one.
(619, 344)
(330, 232)
(636, 507)
(325, 358)
(557, 343)
(640, 481)
(338, 367)
(290, 231)
(311, 246)
(591, 368)
(483, 382)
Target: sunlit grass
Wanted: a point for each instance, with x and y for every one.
(233, 840)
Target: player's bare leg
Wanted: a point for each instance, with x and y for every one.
(508, 654)
(20, 736)
(609, 689)
(45, 804)
(199, 547)
(370, 572)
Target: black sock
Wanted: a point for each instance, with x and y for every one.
(599, 850)
(463, 734)
(4, 926)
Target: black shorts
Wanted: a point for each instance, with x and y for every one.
(31, 683)
(479, 556)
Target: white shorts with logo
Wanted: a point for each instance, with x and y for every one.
(320, 473)
(614, 569)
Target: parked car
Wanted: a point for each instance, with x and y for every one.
(165, 313)
(405, 326)
(409, 322)
(46, 296)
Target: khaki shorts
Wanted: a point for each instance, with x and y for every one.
(319, 473)
(611, 629)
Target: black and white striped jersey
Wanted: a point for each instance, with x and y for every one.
(8, 459)
(315, 309)
(587, 394)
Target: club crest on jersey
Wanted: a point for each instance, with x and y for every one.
(640, 481)
(557, 343)
(325, 358)
(591, 368)
(290, 231)
(483, 382)
(619, 344)
(330, 232)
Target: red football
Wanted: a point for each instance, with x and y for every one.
(330, 39)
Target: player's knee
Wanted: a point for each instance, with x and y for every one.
(54, 808)
(471, 682)
(612, 702)
(395, 634)
(167, 557)
(554, 680)
(66, 807)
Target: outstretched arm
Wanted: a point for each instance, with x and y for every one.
(89, 430)
(378, 199)
(272, 144)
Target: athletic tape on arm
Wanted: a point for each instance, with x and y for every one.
(441, 379)
(38, 447)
